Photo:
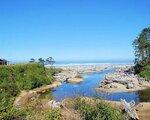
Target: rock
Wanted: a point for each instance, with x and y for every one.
(53, 104)
(130, 85)
(113, 85)
(107, 86)
(141, 80)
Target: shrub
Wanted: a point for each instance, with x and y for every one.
(13, 79)
(145, 73)
(53, 115)
(14, 114)
(97, 110)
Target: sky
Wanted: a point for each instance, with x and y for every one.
(71, 29)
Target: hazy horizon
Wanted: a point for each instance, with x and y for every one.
(77, 61)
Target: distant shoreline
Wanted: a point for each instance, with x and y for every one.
(57, 64)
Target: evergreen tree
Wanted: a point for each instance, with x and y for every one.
(142, 49)
(50, 61)
(41, 61)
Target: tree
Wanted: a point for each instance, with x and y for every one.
(142, 46)
(32, 60)
(41, 61)
(50, 61)
(142, 49)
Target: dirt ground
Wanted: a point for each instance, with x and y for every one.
(144, 111)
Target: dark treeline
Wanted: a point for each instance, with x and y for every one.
(47, 61)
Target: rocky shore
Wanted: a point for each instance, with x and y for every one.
(122, 81)
(73, 74)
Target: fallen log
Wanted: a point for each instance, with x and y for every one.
(130, 109)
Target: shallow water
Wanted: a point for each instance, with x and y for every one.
(87, 88)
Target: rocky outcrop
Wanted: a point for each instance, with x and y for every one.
(121, 80)
(71, 73)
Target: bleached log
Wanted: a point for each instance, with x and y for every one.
(130, 109)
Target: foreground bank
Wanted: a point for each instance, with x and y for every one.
(31, 80)
(39, 105)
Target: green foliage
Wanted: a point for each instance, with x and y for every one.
(145, 72)
(15, 78)
(97, 110)
(24, 76)
(142, 47)
(142, 54)
(52, 71)
(14, 114)
(31, 112)
(53, 115)
(106, 112)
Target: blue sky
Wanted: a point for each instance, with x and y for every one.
(71, 29)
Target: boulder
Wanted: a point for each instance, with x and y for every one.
(130, 85)
(113, 85)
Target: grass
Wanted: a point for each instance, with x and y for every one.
(94, 109)
(33, 111)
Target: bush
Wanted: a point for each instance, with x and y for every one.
(53, 115)
(24, 76)
(14, 114)
(145, 73)
(97, 111)
(13, 79)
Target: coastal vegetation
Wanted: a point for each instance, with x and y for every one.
(19, 77)
(142, 54)
(95, 109)
(14, 79)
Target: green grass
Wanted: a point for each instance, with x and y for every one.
(32, 111)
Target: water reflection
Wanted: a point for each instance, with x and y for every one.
(144, 95)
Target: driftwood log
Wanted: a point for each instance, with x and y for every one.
(130, 109)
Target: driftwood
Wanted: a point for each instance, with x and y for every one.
(130, 109)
